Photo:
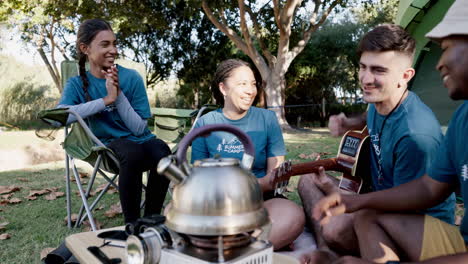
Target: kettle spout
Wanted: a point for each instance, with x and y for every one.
(167, 167)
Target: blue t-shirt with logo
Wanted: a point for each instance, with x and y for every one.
(405, 147)
(260, 124)
(108, 125)
(451, 162)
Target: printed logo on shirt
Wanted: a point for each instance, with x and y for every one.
(230, 146)
(464, 172)
(375, 139)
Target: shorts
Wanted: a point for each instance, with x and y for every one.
(440, 239)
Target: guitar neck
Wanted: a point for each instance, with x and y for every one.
(311, 167)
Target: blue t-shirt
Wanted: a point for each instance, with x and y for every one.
(260, 124)
(108, 125)
(404, 148)
(451, 162)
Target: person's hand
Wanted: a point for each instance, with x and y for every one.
(351, 260)
(337, 125)
(112, 84)
(327, 207)
(267, 182)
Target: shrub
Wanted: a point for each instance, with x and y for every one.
(20, 103)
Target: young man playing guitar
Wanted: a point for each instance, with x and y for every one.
(404, 134)
(411, 237)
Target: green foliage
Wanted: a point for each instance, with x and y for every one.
(330, 63)
(376, 12)
(208, 48)
(20, 104)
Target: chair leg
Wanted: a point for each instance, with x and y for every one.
(111, 181)
(83, 197)
(67, 190)
(88, 189)
(98, 198)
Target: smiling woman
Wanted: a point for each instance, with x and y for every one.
(235, 88)
(113, 100)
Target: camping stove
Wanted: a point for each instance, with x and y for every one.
(161, 245)
(216, 213)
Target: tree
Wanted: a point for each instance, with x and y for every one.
(42, 25)
(48, 24)
(329, 61)
(271, 30)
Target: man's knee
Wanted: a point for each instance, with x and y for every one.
(288, 219)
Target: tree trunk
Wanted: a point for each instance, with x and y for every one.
(275, 90)
(53, 74)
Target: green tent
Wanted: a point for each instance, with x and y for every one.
(418, 17)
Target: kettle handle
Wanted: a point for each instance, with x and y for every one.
(249, 151)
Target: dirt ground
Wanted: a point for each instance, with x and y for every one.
(20, 149)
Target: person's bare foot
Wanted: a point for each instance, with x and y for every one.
(323, 182)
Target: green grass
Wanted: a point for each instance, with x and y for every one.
(38, 224)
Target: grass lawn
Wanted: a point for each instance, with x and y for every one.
(39, 224)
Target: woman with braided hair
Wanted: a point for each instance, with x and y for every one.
(113, 100)
(235, 88)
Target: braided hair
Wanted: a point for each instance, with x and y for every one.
(86, 34)
(223, 71)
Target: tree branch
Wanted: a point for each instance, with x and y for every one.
(270, 58)
(312, 28)
(286, 16)
(52, 52)
(231, 34)
(245, 30)
(276, 10)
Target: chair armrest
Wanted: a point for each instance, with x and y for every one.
(85, 127)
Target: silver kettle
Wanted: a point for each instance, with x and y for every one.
(216, 196)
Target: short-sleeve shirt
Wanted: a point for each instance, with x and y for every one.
(107, 125)
(403, 148)
(451, 162)
(259, 124)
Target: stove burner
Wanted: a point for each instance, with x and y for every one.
(211, 242)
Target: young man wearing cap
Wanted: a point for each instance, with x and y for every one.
(404, 133)
(393, 236)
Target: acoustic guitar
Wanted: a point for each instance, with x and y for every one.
(352, 160)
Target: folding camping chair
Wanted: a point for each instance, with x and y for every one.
(80, 143)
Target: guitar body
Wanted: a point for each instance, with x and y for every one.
(353, 154)
(352, 160)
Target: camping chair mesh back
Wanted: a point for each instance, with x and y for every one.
(171, 124)
(80, 143)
